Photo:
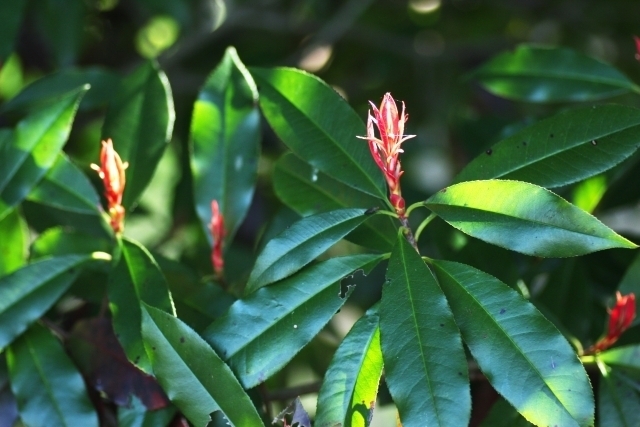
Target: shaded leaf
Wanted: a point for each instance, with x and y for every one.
(627, 357)
(14, 242)
(11, 12)
(27, 153)
(300, 244)
(135, 278)
(618, 401)
(524, 218)
(425, 364)
(309, 191)
(278, 321)
(60, 241)
(8, 404)
(27, 293)
(541, 74)
(140, 123)
(563, 149)
(317, 124)
(137, 415)
(521, 353)
(225, 135)
(64, 41)
(97, 352)
(299, 415)
(48, 387)
(45, 90)
(502, 414)
(191, 373)
(350, 385)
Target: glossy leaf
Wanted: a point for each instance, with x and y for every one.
(27, 153)
(14, 242)
(563, 149)
(140, 123)
(225, 135)
(27, 293)
(502, 414)
(48, 387)
(541, 74)
(309, 191)
(350, 385)
(618, 400)
(425, 364)
(279, 320)
(524, 218)
(196, 380)
(300, 244)
(521, 353)
(67, 188)
(11, 12)
(135, 278)
(627, 357)
(316, 123)
(45, 90)
(61, 241)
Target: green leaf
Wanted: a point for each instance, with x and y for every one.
(67, 188)
(618, 400)
(630, 282)
(350, 385)
(569, 147)
(425, 365)
(27, 293)
(627, 357)
(64, 40)
(521, 353)
(300, 244)
(27, 153)
(14, 242)
(196, 380)
(309, 191)
(277, 321)
(48, 387)
(137, 415)
(140, 123)
(61, 241)
(11, 12)
(502, 414)
(135, 278)
(316, 123)
(225, 133)
(43, 91)
(540, 74)
(524, 218)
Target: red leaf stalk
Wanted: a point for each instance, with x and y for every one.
(111, 171)
(216, 227)
(386, 149)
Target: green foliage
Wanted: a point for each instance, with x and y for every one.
(324, 282)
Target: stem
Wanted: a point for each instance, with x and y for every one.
(408, 234)
(412, 207)
(389, 213)
(423, 225)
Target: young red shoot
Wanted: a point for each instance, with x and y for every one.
(111, 171)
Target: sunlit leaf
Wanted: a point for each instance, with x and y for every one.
(350, 385)
(541, 74)
(521, 353)
(196, 380)
(424, 361)
(278, 321)
(48, 387)
(14, 242)
(27, 153)
(225, 135)
(140, 123)
(316, 123)
(569, 147)
(524, 218)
